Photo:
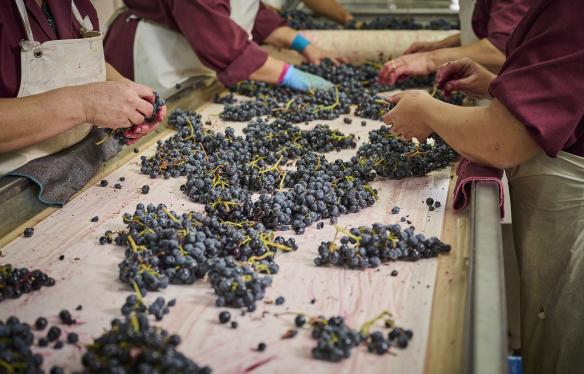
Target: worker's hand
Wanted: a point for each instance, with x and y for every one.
(303, 81)
(466, 76)
(116, 104)
(419, 47)
(316, 55)
(406, 119)
(403, 67)
(138, 131)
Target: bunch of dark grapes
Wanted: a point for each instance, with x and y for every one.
(397, 159)
(163, 247)
(299, 20)
(15, 354)
(373, 107)
(15, 282)
(118, 134)
(238, 285)
(336, 339)
(248, 109)
(364, 247)
(319, 189)
(135, 303)
(134, 346)
(260, 90)
(227, 99)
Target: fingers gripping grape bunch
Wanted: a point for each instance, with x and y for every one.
(118, 134)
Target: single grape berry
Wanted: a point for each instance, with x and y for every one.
(395, 210)
(320, 225)
(66, 318)
(56, 370)
(95, 219)
(43, 342)
(72, 338)
(429, 201)
(394, 273)
(118, 186)
(363, 123)
(403, 219)
(233, 325)
(79, 307)
(347, 120)
(103, 183)
(261, 347)
(437, 204)
(28, 232)
(280, 301)
(145, 190)
(136, 150)
(122, 179)
(54, 333)
(61, 257)
(224, 317)
(431, 208)
(58, 345)
(300, 321)
(172, 302)
(41, 323)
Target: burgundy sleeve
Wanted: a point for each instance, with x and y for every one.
(218, 42)
(266, 21)
(118, 45)
(496, 19)
(541, 81)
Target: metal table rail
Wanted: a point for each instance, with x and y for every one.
(486, 315)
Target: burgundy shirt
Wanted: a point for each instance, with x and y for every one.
(12, 31)
(496, 19)
(542, 80)
(218, 42)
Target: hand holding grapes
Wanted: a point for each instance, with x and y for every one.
(403, 67)
(316, 55)
(466, 76)
(406, 118)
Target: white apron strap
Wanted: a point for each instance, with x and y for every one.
(85, 23)
(24, 16)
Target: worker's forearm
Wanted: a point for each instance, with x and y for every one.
(111, 74)
(451, 42)
(488, 136)
(29, 120)
(269, 72)
(483, 52)
(281, 37)
(330, 9)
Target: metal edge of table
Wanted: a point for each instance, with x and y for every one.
(485, 335)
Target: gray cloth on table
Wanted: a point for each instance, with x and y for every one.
(61, 175)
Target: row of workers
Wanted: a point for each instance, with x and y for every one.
(55, 84)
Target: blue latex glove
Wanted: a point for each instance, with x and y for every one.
(303, 81)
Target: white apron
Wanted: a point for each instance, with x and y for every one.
(51, 65)
(163, 57)
(547, 197)
(467, 34)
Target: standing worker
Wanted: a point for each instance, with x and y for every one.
(53, 85)
(161, 43)
(534, 127)
(492, 23)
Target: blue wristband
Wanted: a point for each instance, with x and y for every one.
(299, 43)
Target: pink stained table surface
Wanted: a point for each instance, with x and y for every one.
(88, 276)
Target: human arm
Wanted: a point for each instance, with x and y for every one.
(43, 116)
(489, 136)
(330, 9)
(450, 42)
(483, 52)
